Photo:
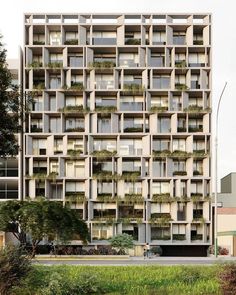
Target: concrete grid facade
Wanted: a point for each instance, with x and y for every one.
(120, 126)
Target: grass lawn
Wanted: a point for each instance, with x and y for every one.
(114, 280)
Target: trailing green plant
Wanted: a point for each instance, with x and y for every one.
(180, 154)
(106, 175)
(36, 42)
(162, 198)
(161, 153)
(179, 237)
(131, 198)
(132, 41)
(180, 64)
(133, 129)
(74, 152)
(130, 175)
(55, 65)
(103, 154)
(180, 86)
(75, 129)
(134, 88)
(179, 173)
(35, 64)
(76, 198)
(74, 86)
(127, 220)
(71, 42)
(159, 109)
(109, 64)
(73, 109)
(162, 219)
(14, 267)
(106, 109)
(194, 109)
(39, 86)
(199, 153)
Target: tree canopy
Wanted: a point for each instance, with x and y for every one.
(10, 108)
(41, 219)
(122, 242)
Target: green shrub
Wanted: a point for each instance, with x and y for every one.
(14, 266)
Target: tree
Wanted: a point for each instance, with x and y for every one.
(41, 219)
(9, 108)
(14, 266)
(122, 242)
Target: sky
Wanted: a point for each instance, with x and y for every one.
(224, 48)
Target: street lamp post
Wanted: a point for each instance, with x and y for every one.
(216, 172)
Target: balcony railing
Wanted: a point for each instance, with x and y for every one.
(131, 106)
(161, 83)
(104, 41)
(128, 63)
(104, 85)
(157, 62)
(179, 237)
(132, 41)
(75, 62)
(179, 40)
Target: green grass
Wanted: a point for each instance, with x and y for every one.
(136, 280)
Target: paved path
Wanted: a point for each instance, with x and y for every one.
(138, 261)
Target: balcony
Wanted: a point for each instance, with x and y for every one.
(133, 87)
(104, 41)
(179, 173)
(36, 128)
(71, 42)
(134, 128)
(181, 86)
(181, 63)
(102, 63)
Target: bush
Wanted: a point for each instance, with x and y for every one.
(220, 250)
(122, 242)
(14, 266)
(227, 278)
(157, 250)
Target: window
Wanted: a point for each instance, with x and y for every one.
(55, 125)
(52, 103)
(55, 38)
(39, 146)
(160, 187)
(179, 144)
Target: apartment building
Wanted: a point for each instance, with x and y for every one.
(120, 125)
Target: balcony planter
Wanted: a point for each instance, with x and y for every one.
(133, 88)
(74, 86)
(74, 153)
(199, 153)
(75, 197)
(71, 42)
(73, 109)
(35, 64)
(76, 129)
(55, 65)
(161, 221)
(180, 154)
(179, 237)
(183, 199)
(103, 154)
(180, 64)
(200, 219)
(130, 176)
(161, 238)
(162, 198)
(194, 109)
(131, 199)
(106, 109)
(196, 198)
(102, 64)
(197, 237)
(106, 175)
(179, 173)
(197, 42)
(197, 173)
(39, 86)
(106, 220)
(181, 87)
(133, 129)
(159, 109)
(161, 154)
(181, 129)
(36, 129)
(106, 198)
(127, 220)
(35, 42)
(195, 129)
(132, 41)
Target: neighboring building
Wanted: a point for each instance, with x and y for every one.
(10, 168)
(227, 214)
(120, 127)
